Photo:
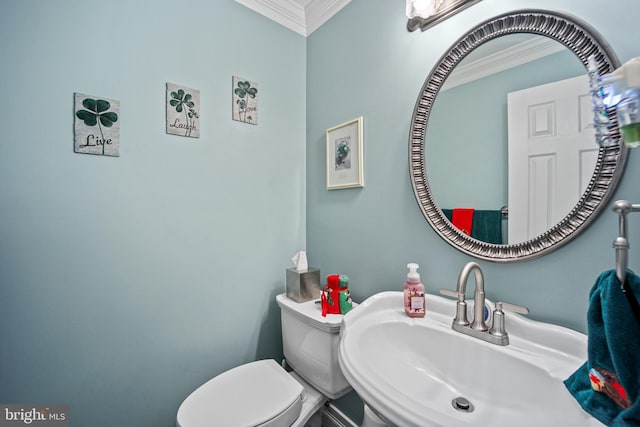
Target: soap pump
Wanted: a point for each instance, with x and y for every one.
(414, 300)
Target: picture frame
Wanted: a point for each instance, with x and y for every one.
(345, 159)
(96, 125)
(182, 111)
(245, 101)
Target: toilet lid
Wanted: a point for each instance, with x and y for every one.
(248, 395)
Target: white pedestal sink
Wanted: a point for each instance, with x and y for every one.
(410, 371)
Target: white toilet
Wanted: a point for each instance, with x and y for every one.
(264, 394)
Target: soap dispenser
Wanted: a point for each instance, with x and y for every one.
(414, 304)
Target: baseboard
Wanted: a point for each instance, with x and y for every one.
(334, 417)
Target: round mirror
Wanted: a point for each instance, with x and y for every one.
(489, 135)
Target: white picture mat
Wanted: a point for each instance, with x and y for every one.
(350, 173)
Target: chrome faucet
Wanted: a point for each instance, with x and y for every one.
(478, 328)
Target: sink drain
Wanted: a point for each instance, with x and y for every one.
(461, 404)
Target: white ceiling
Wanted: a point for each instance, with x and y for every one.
(301, 16)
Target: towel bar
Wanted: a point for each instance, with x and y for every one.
(621, 243)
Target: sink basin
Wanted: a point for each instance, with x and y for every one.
(410, 371)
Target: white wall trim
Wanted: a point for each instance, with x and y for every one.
(301, 16)
(510, 57)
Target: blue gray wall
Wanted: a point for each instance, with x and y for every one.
(364, 62)
(127, 282)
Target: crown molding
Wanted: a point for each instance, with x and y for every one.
(320, 11)
(301, 16)
(510, 57)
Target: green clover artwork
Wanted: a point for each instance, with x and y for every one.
(183, 111)
(245, 101)
(96, 125)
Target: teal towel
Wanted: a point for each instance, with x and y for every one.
(613, 348)
(486, 226)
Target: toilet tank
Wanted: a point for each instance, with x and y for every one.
(310, 345)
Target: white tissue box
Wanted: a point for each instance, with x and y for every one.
(303, 285)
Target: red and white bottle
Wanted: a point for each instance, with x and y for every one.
(414, 301)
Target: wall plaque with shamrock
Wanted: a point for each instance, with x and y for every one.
(96, 125)
(183, 111)
(245, 101)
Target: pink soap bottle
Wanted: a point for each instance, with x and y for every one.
(413, 293)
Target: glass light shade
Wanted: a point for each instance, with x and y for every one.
(422, 8)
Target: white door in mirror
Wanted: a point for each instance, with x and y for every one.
(552, 154)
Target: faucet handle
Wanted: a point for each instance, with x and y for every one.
(498, 329)
(449, 293)
(461, 307)
(500, 305)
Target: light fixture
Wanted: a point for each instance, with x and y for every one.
(427, 13)
(619, 89)
(422, 8)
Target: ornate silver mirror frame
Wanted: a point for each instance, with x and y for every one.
(583, 41)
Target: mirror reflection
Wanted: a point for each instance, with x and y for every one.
(471, 123)
(468, 138)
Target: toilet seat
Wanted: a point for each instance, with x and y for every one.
(259, 393)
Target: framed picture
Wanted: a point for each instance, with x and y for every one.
(183, 111)
(245, 101)
(96, 125)
(345, 160)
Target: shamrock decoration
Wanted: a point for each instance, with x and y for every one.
(181, 98)
(97, 109)
(243, 90)
(96, 113)
(183, 102)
